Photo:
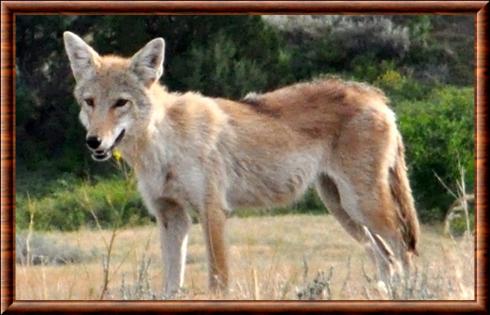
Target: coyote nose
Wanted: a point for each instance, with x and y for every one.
(93, 142)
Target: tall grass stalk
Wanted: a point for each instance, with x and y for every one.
(460, 204)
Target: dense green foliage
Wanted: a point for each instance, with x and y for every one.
(438, 132)
(422, 63)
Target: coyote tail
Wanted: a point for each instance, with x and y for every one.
(402, 195)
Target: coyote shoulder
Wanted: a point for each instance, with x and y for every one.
(189, 151)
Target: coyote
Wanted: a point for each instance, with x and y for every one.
(190, 151)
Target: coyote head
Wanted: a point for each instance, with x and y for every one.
(113, 92)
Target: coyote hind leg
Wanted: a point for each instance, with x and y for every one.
(381, 257)
(329, 194)
(375, 209)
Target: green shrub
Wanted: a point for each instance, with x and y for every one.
(218, 63)
(73, 203)
(438, 135)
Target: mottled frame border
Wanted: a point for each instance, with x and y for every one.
(9, 9)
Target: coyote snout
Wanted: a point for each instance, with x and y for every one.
(189, 151)
(102, 150)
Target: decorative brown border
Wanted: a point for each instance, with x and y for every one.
(10, 8)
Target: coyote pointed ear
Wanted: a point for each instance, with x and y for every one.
(83, 59)
(147, 63)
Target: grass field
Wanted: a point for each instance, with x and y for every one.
(281, 257)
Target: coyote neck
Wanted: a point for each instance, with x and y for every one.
(148, 148)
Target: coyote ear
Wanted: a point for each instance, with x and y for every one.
(147, 63)
(83, 59)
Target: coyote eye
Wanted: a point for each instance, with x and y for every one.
(120, 102)
(89, 102)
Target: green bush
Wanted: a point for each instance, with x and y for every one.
(438, 135)
(114, 201)
(220, 62)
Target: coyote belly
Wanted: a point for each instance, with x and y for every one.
(189, 151)
(280, 183)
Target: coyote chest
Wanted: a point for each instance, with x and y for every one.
(181, 181)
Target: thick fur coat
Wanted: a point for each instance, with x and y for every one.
(189, 151)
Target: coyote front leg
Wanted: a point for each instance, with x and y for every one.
(213, 222)
(174, 223)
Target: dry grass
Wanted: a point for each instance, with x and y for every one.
(282, 257)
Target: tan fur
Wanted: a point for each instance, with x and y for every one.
(402, 194)
(214, 155)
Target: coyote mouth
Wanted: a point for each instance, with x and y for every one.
(104, 155)
(101, 157)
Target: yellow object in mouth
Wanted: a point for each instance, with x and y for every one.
(117, 154)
